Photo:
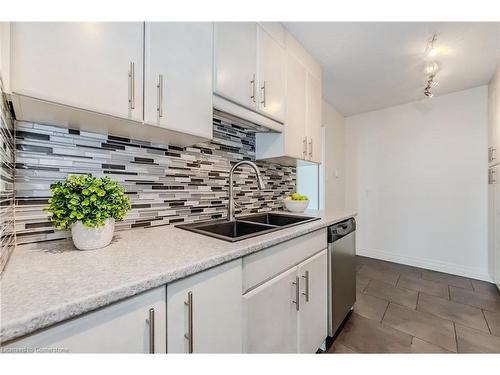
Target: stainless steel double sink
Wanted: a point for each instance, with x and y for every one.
(246, 226)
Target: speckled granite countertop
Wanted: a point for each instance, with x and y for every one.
(49, 282)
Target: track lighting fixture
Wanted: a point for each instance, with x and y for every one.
(431, 49)
(432, 67)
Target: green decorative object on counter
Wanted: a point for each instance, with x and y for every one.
(89, 207)
(87, 199)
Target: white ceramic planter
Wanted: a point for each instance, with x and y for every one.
(86, 238)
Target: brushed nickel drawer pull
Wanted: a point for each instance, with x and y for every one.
(189, 335)
(160, 95)
(306, 293)
(252, 83)
(131, 76)
(151, 322)
(297, 293)
(263, 88)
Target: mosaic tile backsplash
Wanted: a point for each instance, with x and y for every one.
(7, 155)
(167, 184)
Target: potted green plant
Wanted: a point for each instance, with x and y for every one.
(88, 206)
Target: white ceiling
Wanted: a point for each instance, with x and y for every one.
(373, 65)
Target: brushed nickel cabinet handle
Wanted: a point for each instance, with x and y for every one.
(493, 154)
(306, 293)
(131, 76)
(493, 176)
(310, 148)
(297, 293)
(189, 335)
(252, 83)
(304, 147)
(263, 88)
(151, 322)
(159, 86)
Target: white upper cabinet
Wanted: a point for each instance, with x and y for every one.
(301, 136)
(494, 119)
(271, 67)
(94, 66)
(295, 129)
(235, 67)
(313, 118)
(250, 67)
(178, 76)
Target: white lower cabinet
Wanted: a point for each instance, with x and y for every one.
(270, 316)
(494, 221)
(288, 314)
(283, 310)
(313, 314)
(204, 311)
(135, 325)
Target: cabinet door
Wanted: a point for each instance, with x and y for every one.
(235, 62)
(313, 118)
(210, 320)
(295, 123)
(95, 66)
(123, 327)
(178, 83)
(494, 119)
(313, 303)
(495, 224)
(270, 316)
(271, 66)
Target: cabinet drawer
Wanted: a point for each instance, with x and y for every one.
(263, 265)
(119, 328)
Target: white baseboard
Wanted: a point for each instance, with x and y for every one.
(454, 269)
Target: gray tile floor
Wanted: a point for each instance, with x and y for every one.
(403, 309)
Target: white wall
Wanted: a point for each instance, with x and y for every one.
(4, 54)
(308, 182)
(417, 174)
(333, 157)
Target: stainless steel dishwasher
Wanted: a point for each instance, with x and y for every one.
(341, 273)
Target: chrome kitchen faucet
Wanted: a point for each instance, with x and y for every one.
(260, 183)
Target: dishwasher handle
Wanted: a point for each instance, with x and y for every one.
(342, 229)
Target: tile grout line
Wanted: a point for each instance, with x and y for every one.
(397, 281)
(456, 338)
(451, 320)
(366, 286)
(430, 343)
(350, 347)
(486, 320)
(420, 338)
(385, 311)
